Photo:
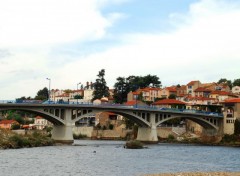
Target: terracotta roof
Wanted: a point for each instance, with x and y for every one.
(38, 117)
(146, 89)
(221, 92)
(168, 101)
(191, 83)
(171, 89)
(8, 121)
(130, 103)
(233, 100)
(135, 93)
(202, 89)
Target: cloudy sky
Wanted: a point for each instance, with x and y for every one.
(70, 41)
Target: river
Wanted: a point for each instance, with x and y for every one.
(110, 158)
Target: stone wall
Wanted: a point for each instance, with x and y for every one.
(105, 134)
(164, 132)
(83, 130)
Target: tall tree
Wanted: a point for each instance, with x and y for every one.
(124, 85)
(236, 82)
(100, 86)
(224, 80)
(121, 89)
(42, 94)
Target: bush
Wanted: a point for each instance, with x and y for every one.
(111, 127)
(171, 137)
(134, 144)
(79, 136)
(227, 138)
(15, 126)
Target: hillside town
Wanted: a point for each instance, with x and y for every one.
(194, 95)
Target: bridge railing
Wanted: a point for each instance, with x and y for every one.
(114, 105)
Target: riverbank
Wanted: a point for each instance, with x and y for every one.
(198, 174)
(11, 140)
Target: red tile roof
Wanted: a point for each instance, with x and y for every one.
(8, 121)
(136, 93)
(171, 89)
(202, 89)
(168, 101)
(191, 83)
(233, 100)
(130, 103)
(38, 117)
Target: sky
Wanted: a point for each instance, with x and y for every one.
(70, 41)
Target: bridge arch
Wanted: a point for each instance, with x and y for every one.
(50, 117)
(201, 121)
(131, 116)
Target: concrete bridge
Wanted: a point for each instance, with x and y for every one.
(64, 116)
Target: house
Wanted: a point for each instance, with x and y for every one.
(222, 95)
(202, 92)
(191, 86)
(181, 90)
(134, 103)
(169, 103)
(40, 123)
(7, 124)
(165, 92)
(133, 95)
(236, 90)
(150, 93)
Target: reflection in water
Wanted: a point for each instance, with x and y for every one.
(91, 158)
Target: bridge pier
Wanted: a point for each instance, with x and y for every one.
(148, 134)
(64, 133)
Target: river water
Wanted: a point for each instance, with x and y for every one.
(110, 158)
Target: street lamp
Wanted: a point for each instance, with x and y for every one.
(77, 91)
(49, 91)
(136, 98)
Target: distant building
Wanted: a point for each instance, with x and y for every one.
(236, 90)
(7, 124)
(169, 103)
(40, 123)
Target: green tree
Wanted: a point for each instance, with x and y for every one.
(121, 90)
(236, 82)
(78, 97)
(224, 80)
(100, 86)
(13, 115)
(124, 85)
(42, 94)
(172, 96)
(237, 127)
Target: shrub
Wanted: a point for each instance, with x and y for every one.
(171, 137)
(79, 136)
(134, 144)
(111, 127)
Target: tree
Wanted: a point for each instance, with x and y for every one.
(224, 80)
(172, 96)
(78, 97)
(121, 90)
(42, 94)
(124, 85)
(236, 82)
(100, 87)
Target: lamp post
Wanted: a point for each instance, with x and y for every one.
(49, 91)
(77, 91)
(136, 97)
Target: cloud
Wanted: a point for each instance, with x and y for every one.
(39, 22)
(204, 45)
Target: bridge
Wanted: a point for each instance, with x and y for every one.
(64, 116)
